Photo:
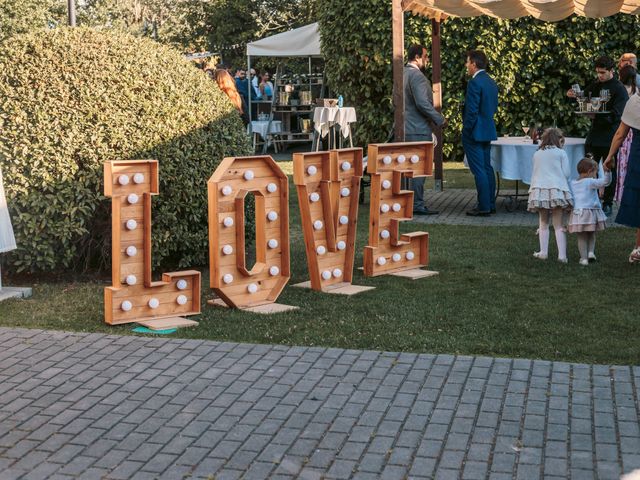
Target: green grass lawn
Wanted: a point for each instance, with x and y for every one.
(491, 298)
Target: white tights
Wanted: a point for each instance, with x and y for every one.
(558, 228)
(586, 244)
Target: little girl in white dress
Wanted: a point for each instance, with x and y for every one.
(550, 194)
(587, 216)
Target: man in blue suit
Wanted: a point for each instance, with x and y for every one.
(479, 129)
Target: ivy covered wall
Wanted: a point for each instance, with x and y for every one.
(533, 62)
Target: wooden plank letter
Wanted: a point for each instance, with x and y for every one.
(133, 295)
(238, 284)
(389, 251)
(328, 185)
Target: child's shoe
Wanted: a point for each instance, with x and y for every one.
(634, 257)
(592, 257)
(584, 262)
(540, 255)
(563, 260)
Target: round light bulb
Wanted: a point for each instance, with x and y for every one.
(227, 278)
(386, 184)
(341, 245)
(131, 251)
(248, 175)
(273, 271)
(384, 234)
(123, 180)
(386, 160)
(154, 303)
(181, 284)
(272, 216)
(131, 279)
(321, 250)
(314, 197)
(227, 249)
(410, 255)
(228, 222)
(337, 272)
(132, 198)
(272, 187)
(126, 306)
(382, 260)
(396, 207)
(396, 257)
(345, 192)
(312, 170)
(181, 300)
(138, 178)
(227, 190)
(131, 224)
(344, 220)
(415, 158)
(384, 208)
(345, 166)
(273, 243)
(401, 158)
(252, 288)
(326, 275)
(318, 224)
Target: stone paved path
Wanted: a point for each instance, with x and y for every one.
(99, 406)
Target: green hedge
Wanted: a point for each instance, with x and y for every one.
(533, 62)
(71, 99)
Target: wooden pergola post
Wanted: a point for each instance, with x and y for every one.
(437, 98)
(397, 18)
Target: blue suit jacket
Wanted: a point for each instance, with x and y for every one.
(480, 105)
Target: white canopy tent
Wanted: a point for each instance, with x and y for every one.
(299, 42)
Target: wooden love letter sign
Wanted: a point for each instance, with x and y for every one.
(238, 284)
(388, 251)
(328, 185)
(133, 296)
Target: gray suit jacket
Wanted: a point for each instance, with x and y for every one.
(419, 113)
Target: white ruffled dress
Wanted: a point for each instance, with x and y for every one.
(550, 181)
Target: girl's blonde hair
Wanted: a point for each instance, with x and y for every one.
(228, 85)
(587, 164)
(552, 137)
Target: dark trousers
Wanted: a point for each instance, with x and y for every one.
(479, 160)
(417, 184)
(600, 153)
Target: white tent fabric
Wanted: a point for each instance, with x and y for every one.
(547, 10)
(300, 42)
(7, 240)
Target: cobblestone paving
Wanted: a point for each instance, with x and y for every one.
(453, 204)
(99, 406)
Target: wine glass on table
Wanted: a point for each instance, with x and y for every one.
(525, 129)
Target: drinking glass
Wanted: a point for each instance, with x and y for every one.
(525, 129)
(595, 104)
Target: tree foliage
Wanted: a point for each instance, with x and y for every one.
(75, 98)
(21, 16)
(533, 62)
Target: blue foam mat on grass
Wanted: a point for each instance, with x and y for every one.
(156, 332)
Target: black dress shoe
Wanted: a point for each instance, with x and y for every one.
(478, 213)
(424, 211)
(492, 211)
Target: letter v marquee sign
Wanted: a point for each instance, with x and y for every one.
(328, 186)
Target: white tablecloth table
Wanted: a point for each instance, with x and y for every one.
(326, 119)
(512, 157)
(260, 127)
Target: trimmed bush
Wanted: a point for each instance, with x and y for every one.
(533, 62)
(71, 99)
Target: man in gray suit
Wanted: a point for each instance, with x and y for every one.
(419, 114)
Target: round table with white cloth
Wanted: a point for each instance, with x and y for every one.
(512, 157)
(262, 128)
